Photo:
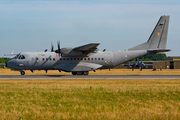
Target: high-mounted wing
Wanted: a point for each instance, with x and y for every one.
(87, 48)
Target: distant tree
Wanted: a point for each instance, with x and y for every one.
(156, 57)
(5, 60)
(2, 60)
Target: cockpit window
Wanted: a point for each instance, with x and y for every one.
(16, 56)
(21, 57)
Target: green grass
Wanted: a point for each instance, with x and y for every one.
(90, 99)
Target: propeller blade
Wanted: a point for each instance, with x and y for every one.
(58, 45)
(52, 47)
(59, 49)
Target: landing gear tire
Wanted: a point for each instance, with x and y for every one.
(79, 73)
(74, 73)
(22, 73)
(86, 73)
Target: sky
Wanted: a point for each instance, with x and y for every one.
(31, 26)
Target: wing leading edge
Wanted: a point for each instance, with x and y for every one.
(87, 48)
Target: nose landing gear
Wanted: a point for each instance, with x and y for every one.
(22, 73)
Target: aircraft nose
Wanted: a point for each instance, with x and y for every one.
(9, 64)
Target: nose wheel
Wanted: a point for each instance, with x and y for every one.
(22, 73)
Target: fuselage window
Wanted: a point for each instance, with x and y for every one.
(60, 58)
(46, 59)
(98, 58)
(67, 58)
(95, 58)
(50, 59)
(91, 58)
(84, 58)
(53, 59)
(43, 59)
(81, 58)
(102, 58)
(88, 58)
(64, 59)
(74, 58)
(77, 58)
(71, 59)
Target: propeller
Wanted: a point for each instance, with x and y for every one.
(58, 50)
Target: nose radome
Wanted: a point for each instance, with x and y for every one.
(9, 64)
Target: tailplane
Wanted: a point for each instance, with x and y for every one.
(158, 38)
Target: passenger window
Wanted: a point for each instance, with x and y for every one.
(91, 58)
(95, 58)
(53, 59)
(98, 58)
(102, 58)
(88, 58)
(43, 59)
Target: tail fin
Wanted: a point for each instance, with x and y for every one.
(158, 38)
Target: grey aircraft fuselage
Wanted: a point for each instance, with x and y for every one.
(81, 60)
(51, 60)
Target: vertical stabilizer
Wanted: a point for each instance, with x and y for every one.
(158, 37)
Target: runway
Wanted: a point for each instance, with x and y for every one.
(90, 77)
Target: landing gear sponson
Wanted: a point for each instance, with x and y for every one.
(80, 73)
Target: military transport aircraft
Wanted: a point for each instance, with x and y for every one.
(81, 60)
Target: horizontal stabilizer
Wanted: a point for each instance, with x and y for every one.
(157, 51)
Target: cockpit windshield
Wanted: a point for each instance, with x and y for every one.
(16, 56)
(19, 56)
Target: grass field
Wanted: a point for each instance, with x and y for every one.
(98, 72)
(90, 99)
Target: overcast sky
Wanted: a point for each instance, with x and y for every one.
(116, 24)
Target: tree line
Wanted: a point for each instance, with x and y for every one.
(156, 57)
(4, 60)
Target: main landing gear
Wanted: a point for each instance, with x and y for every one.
(80, 73)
